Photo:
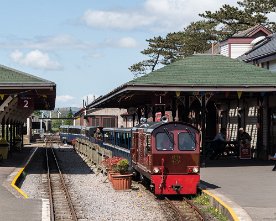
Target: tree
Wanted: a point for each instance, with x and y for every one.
(198, 36)
(155, 51)
(249, 13)
(69, 115)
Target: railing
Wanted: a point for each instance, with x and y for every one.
(94, 153)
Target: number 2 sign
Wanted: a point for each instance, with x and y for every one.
(25, 103)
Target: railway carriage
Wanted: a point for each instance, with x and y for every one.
(70, 132)
(118, 140)
(166, 154)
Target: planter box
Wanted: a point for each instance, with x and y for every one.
(4, 149)
(121, 181)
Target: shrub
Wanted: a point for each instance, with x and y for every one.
(111, 163)
(122, 166)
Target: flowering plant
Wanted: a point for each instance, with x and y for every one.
(111, 163)
(122, 166)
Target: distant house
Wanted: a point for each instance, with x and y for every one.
(263, 53)
(240, 42)
(103, 117)
(243, 41)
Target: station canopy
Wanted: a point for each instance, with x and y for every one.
(196, 73)
(22, 93)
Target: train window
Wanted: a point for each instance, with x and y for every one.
(186, 141)
(163, 141)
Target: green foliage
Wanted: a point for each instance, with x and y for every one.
(204, 201)
(198, 36)
(56, 124)
(69, 115)
(122, 166)
(232, 19)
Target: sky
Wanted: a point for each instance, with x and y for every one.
(87, 46)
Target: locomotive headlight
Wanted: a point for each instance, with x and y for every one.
(195, 170)
(156, 170)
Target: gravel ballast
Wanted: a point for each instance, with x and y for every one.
(94, 195)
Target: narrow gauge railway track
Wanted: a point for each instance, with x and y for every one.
(61, 205)
(181, 210)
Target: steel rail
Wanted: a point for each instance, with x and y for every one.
(52, 212)
(199, 213)
(176, 210)
(180, 213)
(68, 197)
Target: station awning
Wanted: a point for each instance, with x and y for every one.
(194, 74)
(22, 93)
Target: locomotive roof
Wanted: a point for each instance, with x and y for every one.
(118, 129)
(150, 126)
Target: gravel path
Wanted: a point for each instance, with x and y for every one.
(32, 184)
(97, 199)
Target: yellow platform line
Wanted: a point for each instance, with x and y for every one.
(230, 210)
(13, 183)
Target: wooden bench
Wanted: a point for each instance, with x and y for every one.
(273, 158)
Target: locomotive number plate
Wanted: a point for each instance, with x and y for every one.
(175, 159)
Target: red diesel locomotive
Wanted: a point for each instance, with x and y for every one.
(167, 154)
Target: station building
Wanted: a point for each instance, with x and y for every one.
(20, 95)
(208, 91)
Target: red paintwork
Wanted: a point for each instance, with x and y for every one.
(188, 182)
(173, 165)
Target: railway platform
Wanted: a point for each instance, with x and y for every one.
(248, 187)
(13, 206)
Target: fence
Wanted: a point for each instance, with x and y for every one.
(94, 153)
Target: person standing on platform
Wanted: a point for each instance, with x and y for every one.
(218, 144)
(243, 137)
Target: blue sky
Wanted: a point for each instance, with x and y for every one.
(86, 46)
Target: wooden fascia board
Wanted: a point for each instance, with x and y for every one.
(263, 58)
(188, 88)
(263, 29)
(240, 40)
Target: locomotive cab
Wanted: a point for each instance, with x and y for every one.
(167, 154)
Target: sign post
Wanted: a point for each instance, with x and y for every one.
(245, 150)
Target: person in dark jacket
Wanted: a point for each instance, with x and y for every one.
(243, 137)
(218, 144)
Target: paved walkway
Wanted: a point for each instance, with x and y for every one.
(11, 207)
(249, 183)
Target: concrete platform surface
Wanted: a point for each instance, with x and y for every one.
(11, 207)
(251, 184)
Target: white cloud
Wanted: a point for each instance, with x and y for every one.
(116, 20)
(64, 98)
(35, 59)
(127, 42)
(62, 41)
(161, 15)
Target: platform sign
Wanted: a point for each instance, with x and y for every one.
(245, 151)
(25, 103)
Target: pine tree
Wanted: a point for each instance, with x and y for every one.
(198, 36)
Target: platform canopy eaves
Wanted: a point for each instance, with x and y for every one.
(22, 93)
(195, 73)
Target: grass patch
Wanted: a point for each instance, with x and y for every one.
(203, 202)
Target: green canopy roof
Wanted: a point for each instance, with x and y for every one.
(10, 76)
(192, 74)
(16, 83)
(208, 70)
